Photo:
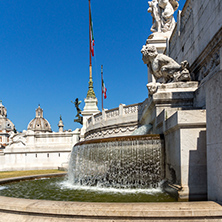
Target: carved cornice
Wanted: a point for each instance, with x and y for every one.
(113, 130)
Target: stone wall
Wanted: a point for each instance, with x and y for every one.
(198, 39)
(200, 22)
(214, 137)
(185, 144)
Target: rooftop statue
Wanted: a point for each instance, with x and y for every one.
(79, 118)
(162, 12)
(163, 68)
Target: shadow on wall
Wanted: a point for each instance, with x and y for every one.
(197, 178)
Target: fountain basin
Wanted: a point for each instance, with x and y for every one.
(17, 210)
(58, 188)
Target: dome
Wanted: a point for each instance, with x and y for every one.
(5, 123)
(39, 124)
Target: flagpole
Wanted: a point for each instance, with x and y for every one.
(90, 56)
(90, 93)
(102, 83)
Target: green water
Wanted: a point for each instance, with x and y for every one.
(58, 189)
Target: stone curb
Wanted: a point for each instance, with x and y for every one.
(186, 211)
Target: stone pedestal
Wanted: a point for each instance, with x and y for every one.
(89, 109)
(169, 97)
(185, 149)
(170, 111)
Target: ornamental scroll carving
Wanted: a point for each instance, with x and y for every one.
(116, 131)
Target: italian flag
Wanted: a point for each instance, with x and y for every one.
(91, 34)
(104, 89)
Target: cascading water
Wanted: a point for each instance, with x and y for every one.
(122, 162)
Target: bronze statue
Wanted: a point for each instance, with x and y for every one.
(79, 118)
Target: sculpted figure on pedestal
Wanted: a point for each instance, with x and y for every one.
(163, 68)
(155, 13)
(162, 12)
(80, 118)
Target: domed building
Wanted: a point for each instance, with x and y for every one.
(38, 147)
(39, 124)
(6, 126)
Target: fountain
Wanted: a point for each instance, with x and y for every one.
(141, 162)
(121, 162)
(120, 169)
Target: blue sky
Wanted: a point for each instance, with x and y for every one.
(44, 56)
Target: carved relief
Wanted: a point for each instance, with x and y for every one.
(187, 14)
(17, 138)
(209, 60)
(209, 66)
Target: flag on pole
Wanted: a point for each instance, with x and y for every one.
(92, 42)
(104, 89)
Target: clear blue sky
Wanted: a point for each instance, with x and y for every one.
(44, 56)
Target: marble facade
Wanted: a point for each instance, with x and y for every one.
(192, 149)
(198, 38)
(214, 136)
(38, 147)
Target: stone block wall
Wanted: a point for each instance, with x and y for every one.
(200, 22)
(214, 137)
(185, 145)
(198, 39)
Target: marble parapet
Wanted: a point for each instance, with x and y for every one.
(114, 122)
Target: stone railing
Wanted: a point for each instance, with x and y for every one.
(122, 121)
(121, 111)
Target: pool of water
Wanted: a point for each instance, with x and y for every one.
(60, 190)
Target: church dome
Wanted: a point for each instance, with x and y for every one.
(39, 124)
(5, 123)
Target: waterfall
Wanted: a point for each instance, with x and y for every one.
(123, 162)
(143, 130)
